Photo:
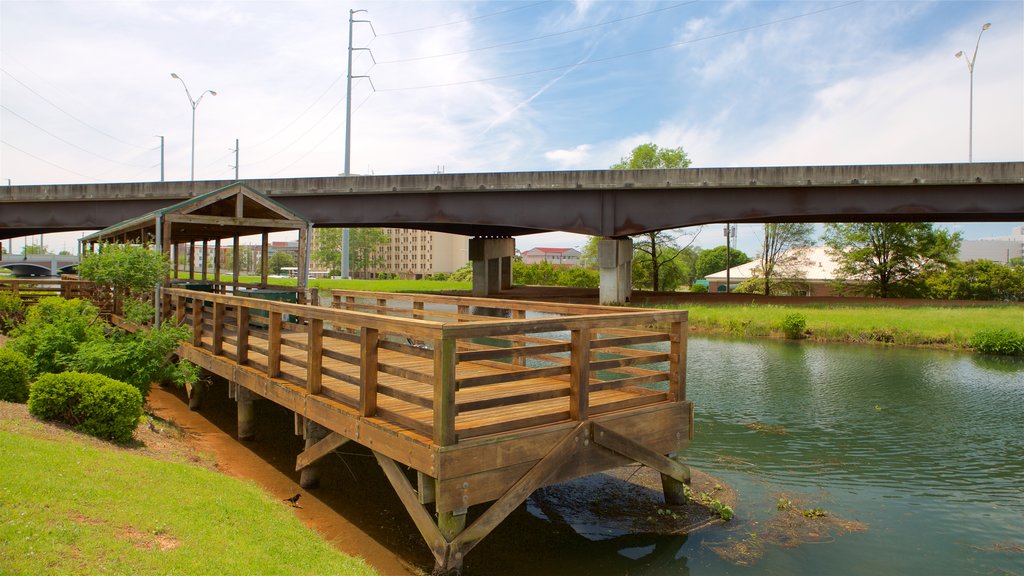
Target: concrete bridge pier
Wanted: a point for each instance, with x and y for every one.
(615, 260)
(492, 264)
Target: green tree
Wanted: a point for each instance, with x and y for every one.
(889, 259)
(327, 247)
(588, 253)
(280, 260)
(660, 246)
(713, 260)
(364, 253)
(781, 255)
(128, 269)
(978, 280)
(34, 249)
(649, 157)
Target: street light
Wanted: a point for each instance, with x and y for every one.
(194, 103)
(970, 71)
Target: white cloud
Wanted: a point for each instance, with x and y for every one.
(572, 158)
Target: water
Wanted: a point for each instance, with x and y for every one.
(925, 447)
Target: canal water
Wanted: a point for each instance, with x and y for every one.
(924, 449)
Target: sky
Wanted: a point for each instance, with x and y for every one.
(86, 88)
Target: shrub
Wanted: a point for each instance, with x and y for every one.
(53, 331)
(139, 358)
(698, 289)
(14, 368)
(92, 403)
(1002, 341)
(12, 312)
(794, 325)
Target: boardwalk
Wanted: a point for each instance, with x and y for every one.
(463, 401)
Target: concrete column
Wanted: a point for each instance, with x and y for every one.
(195, 395)
(309, 477)
(615, 260)
(492, 264)
(246, 413)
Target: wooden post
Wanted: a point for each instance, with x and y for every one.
(309, 477)
(236, 258)
(274, 345)
(179, 310)
(451, 524)
(197, 322)
(264, 256)
(216, 260)
(417, 308)
(579, 379)
(192, 260)
(218, 328)
(195, 395)
(206, 257)
(174, 263)
(242, 349)
(315, 356)
(677, 362)
(246, 413)
(444, 391)
(368, 340)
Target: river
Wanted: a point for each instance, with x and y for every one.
(924, 447)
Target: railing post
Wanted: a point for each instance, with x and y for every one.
(242, 348)
(197, 322)
(218, 328)
(315, 356)
(579, 371)
(368, 340)
(274, 344)
(444, 391)
(677, 362)
(417, 306)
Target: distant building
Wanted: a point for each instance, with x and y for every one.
(999, 249)
(414, 254)
(815, 274)
(555, 256)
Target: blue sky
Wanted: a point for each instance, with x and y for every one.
(502, 86)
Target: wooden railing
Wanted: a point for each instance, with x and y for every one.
(30, 290)
(446, 368)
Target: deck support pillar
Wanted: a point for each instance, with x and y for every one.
(492, 264)
(309, 477)
(451, 524)
(615, 259)
(246, 413)
(195, 395)
(675, 490)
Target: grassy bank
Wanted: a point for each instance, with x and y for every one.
(945, 327)
(70, 504)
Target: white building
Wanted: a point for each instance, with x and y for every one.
(1000, 249)
(413, 254)
(554, 256)
(815, 273)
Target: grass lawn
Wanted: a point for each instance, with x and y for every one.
(913, 326)
(70, 504)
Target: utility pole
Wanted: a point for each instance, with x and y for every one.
(348, 127)
(161, 158)
(235, 150)
(730, 233)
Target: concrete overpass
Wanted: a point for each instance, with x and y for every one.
(607, 203)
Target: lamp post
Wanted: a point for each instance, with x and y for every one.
(970, 72)
(194, 103)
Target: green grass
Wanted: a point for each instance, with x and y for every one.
(369, 285)
(912, 326)
(67, 507)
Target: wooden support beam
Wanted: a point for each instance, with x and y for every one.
(309, 475)
(274, 345)
(264, 258)
(557, 457)
(315, 356)
(242, 338)
(197, 322)
(368, 342)
(236, 250)
(206, 257)
(677, 362)
(179, 310)
(579, 375)
(426, 487)
(622, 445)
(319, 449)
(423, 520)
(216, 260)
(444, 392)
(245, 400)
(192, 260)
(218, 328)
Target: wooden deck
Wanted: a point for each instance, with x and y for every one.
(483, 400)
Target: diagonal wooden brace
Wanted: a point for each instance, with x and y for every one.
(439, 547)
(329, 444)
(625, 446)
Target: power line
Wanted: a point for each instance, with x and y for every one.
(541, 37)
(481, 17)
(626, 54)
(72, 116)
(301, 114)
(324, 139)
(73, 145)
(6, 143)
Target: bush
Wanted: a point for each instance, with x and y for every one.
(14, 368)
(698, 289)
(139, 358)
(12, 312)
(1003, 342)
(794, 326)
(53, 331)
(92, 403)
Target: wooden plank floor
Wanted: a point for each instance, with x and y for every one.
(405, 403)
